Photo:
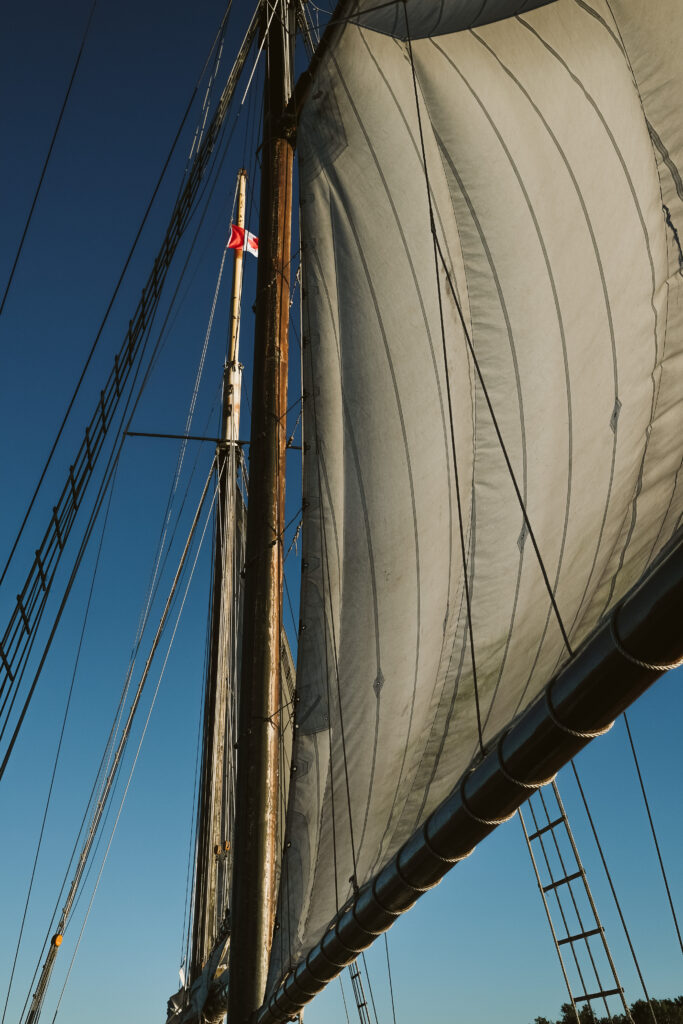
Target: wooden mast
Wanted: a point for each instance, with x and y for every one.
(213, 838)
(254, 868)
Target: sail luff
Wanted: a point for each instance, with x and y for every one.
(254, 878)
(639, 641)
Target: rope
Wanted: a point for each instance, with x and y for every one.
(326, 577)
(470, 346)
(556, 893)
(208, 186)
(372, 997)
(46, 162)
(105, 317)
(346, 1009)
(57, 755)
(652, 829)
(147, 720)
(391, 986)
(533, 786)
(461, 528)
(614, 894)
(113, 771)
(587, 735)
(591, 903)
(651, 667)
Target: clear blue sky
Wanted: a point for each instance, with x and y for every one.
(477, 949)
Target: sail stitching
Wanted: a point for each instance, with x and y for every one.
(466, 581)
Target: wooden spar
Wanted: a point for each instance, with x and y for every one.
(213, 827)
(235, 304)
(254, 867)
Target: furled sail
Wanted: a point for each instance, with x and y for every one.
(525, 333)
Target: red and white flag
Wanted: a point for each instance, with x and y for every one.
(241, 239)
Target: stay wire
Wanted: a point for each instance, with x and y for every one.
(105, 318)
(613, 890)
(46, 162)
(461, 524)
(105, 482)
(391, 986)
(168, 606)
(480, 376)
(159, 345)
(57, 754)
(346, 1009)
(192, 843)
(372, 996)
(654, 833)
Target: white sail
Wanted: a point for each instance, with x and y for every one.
(552, 145)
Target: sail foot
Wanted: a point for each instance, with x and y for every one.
(602, 680)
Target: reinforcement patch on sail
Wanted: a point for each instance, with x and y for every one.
(553, 150)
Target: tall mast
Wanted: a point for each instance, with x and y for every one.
(254, 877)
(213, 840)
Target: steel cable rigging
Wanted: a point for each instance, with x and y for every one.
(112, 300)
(47, 161)
(20, 632)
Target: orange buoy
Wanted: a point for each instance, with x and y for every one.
(57, 939)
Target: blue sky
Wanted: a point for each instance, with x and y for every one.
(475, 949)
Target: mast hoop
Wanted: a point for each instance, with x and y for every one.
(579, 734)
(650, 666)
(439, 856)
(533, 786)
(488, 822)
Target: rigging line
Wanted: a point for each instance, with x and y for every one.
(461, 524)
(570, 890)
(114, 769)
(614, 894)
(652, 829)
(106, 480)
(480, 376)
(289, 602)
(548, 915)
(372, 997)
(102, 324)
(183, 448)
(219, 43)
(391, 986)
(560, 906)
(506, 456)
(295, 538)
(327, 585)
(47, 160)
(161, 341)
(151, 707)
(346, 1009)
(278, 537)
(188, 913)
(260, 50)
(57, 754)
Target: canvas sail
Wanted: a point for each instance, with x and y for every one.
(553, 149)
